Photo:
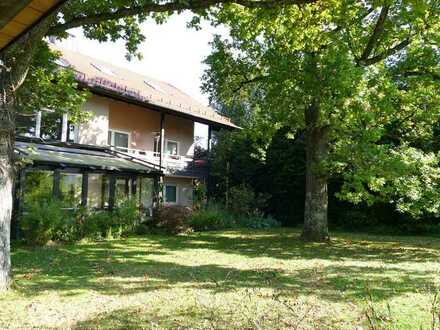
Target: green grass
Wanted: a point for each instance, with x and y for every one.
(225, 280)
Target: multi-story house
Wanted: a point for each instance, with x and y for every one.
(139, 139)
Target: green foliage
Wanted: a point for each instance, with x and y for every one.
(199, 195)
(49, 86)
(256, 221)
(216, 217)
(376, 87)
(41, 220)
(39, 186)
(171, 219)
(212, 217)
(46, 220)
(244, 201)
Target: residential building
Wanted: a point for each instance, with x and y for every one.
(139, 140)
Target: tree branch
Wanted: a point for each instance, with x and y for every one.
(390, 51)
(167, 7)
(377, 32)
(433, 75)
(248, 81)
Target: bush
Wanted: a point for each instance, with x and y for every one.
(97, 225)
(41, 220)
(171, 219)
(126, 217)
(212, 217)
(244, 201)
(257, 221)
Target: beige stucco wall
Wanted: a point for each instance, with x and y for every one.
(95, 131)
(181, 130)
(141, 123)
(144, 124)
(184, 189)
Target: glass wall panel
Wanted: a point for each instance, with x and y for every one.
(70, 188)
(38, 186)
(123, 190)
(98, 191)
(145, 188)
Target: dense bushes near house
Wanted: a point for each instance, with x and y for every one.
(214, 217)
(41, 221)
(47, 220)
(171, 219)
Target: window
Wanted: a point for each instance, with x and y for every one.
(120, 140)
(145, 189)
(70, 188)
(172, 148)
(98, 191)
(38, 186)
(170, 194)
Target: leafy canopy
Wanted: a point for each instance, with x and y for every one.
(376, 76)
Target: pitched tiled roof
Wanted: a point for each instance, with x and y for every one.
(99, 74)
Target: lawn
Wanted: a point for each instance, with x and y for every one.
(226, 280)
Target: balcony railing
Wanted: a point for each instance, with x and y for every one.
(173, 164)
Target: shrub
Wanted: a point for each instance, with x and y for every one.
(126, 217)
(244, 201)
(212, 217)
(257, 221)
(41, 220)
(97, 225)
(171, 219)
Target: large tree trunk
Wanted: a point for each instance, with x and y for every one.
(14, 65)
(316, 197)
(6, 179)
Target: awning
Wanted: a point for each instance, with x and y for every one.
(83, 157)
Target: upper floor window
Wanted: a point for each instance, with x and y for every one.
(172, 148)
(119, 139)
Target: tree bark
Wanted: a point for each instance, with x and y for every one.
(14, 65)
(316, 197)
(6, 181)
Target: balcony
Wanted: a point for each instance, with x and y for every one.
(173, 164)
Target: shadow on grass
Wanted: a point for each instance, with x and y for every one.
(125, 267)
(192, 317)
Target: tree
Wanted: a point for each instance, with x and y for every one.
(342, 72)
(101, 20)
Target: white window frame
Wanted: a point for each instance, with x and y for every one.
(165, 193)
(112, 138)
(178, 147)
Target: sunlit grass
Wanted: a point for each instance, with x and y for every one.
(225, 280)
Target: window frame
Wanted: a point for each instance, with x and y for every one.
(166, 147)
(112, 138)
(165, 193)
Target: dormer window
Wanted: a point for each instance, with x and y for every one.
(103, 69)
(153, 85)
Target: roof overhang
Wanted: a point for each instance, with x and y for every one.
(18, 16)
